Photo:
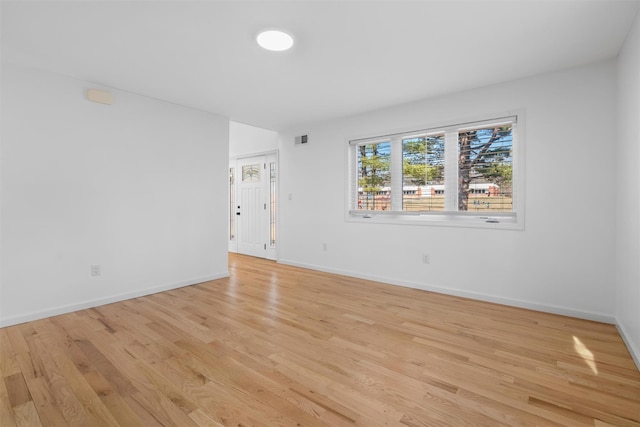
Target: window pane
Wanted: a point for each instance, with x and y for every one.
(251, 173)
(485, 169)
(272, 204)
(423, 173)
(232, 204)
(374, 177)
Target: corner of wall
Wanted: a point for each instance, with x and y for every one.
(631, 346)
(627, 248)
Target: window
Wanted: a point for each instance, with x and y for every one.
(462, 174)
(373, 176)
(485, 168)
(423, 173)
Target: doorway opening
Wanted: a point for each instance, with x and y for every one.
(253, 184)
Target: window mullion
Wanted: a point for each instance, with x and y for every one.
(451, 170)
(396, 174)
(352, 158)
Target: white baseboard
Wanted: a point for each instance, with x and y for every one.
(633, 350)
(54, 311)
(547, 308)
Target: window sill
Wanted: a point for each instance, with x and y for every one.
(501, 221)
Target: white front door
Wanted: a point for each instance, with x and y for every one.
(254, 207)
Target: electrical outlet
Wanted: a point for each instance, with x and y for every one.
(324, 247)
(95, 270)
(425, 259)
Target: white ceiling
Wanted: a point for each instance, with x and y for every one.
(349, 56)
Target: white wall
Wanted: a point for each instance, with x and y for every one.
(246, 140)
(138, 187)
(628, 200)
(564, 259)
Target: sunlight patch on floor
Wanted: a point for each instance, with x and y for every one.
(585, 353)
(273, 294)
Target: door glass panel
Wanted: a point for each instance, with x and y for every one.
(272, 204)
(251, 173)
(232, 204)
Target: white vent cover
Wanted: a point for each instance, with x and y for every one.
(302, 139)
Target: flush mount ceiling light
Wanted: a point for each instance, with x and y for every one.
(275, 40)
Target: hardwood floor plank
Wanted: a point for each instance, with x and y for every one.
(275, 345)
(144, 411)
(203, 420)
(158, 410)
(27, 415)
(8, 364)
(153, 400)
(117, 380)
(65, 398)
(46, 405)
(7, 415)
(17, 389)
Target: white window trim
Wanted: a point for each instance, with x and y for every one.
(451, 218)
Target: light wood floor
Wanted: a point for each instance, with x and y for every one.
(280, 346)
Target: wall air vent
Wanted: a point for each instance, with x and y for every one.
(302, 139)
